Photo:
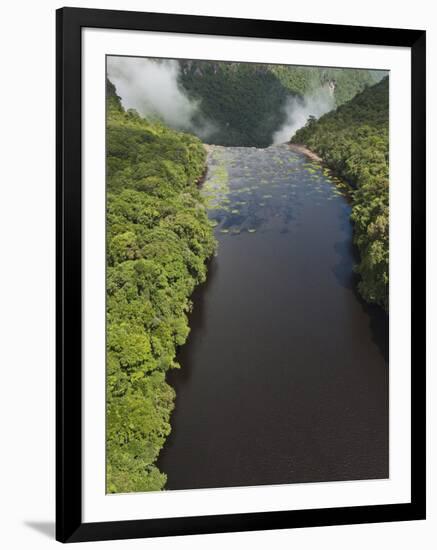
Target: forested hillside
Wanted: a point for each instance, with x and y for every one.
(158, 240)
(246, 101)
(347, 83)
(242, 101)
(353, 140)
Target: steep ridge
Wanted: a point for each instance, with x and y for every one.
(247, 102)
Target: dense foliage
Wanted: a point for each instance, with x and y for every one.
(246, 101)
(158, 239)
(243, 101)
(353, 140)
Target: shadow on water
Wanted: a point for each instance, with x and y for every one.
(179, 377)
(378, 322)
(347, 250)
(378, 319)
(342, 270)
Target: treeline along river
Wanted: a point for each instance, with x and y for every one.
(284, 376)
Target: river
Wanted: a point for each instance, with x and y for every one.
(284, 377)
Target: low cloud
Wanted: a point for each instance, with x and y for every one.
(298, 111)
(151, 87)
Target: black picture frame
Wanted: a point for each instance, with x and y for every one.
(69, 525)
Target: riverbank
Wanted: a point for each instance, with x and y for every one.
(297, 148)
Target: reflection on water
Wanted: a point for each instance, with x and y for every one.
(284, 377)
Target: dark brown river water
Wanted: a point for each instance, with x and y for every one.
(284, 376)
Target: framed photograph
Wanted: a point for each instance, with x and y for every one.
(240, 274)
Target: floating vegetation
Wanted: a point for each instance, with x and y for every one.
(216, 187)
(249, 189)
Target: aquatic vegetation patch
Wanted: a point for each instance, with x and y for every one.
(215, 189)
(243, 206)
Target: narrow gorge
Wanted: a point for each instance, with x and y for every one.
(247, 274)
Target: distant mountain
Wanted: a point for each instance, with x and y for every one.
(246, 101)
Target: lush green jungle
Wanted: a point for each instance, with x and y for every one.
(353, 140)
(247, 101)
(158, 239)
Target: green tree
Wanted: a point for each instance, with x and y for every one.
(158, 242)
